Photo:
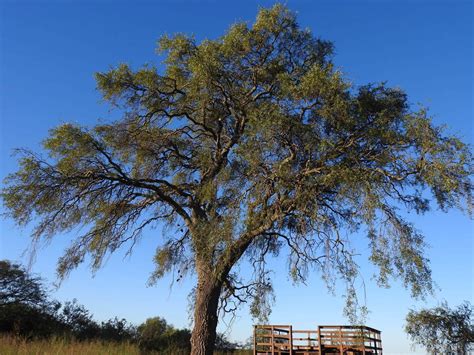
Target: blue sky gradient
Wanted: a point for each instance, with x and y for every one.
(50, 50)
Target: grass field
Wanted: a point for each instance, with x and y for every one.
(14, 346)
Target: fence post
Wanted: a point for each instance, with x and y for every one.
(273, 341)
(291, 340)
(319, 339)
(340, 341)
(364, 334)
(254, 340)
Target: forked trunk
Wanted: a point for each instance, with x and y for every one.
(205, 316)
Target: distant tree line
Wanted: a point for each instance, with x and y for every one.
(28, 311)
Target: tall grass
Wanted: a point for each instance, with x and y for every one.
(16, 346)
(10, 345)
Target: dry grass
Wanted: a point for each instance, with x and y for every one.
(10, 345)
(14, 346)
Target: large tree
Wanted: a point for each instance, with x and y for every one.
(247, 145)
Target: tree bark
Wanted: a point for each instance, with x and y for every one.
(203, 337)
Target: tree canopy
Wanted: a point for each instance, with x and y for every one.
(17, 286)
(25, 308)
(250, 144)
(442, 329)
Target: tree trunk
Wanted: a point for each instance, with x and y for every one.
(203, 336)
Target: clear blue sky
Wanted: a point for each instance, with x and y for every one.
(50, 50)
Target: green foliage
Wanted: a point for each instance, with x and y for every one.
(224, 345)
(17, 286)
(155, 334)
(24, 305)
(442, 329)
(79, 321)
(26, 310)
(247, 145)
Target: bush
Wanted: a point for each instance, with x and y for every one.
(156, 334)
